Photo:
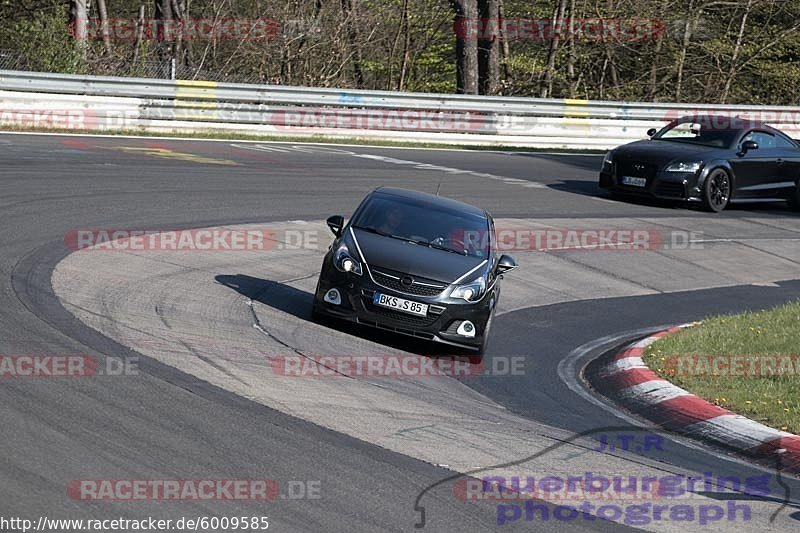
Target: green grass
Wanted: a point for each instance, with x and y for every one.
(766, 385)
(356, 141)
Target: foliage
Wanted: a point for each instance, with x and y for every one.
(410, 45)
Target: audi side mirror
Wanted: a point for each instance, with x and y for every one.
(747, 146)
(651, 132)
(336, 223)
(505, 264)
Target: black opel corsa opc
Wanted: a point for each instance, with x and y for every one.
(416, 264)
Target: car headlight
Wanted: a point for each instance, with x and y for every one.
(343, 261)
(685, 166)
(470, 292)
(608, 160)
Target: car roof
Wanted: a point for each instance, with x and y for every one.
(430, 199)
(735, 123)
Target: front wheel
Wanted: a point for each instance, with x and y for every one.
(486, 332)
(316, 316)
(717, 191)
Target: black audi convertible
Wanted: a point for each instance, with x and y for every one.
(416, 264)
(711, 160)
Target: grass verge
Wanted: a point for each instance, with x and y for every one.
(748, 363)
(355, 141)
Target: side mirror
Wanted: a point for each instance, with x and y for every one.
(505, 264)
(336, 223)
(749, 145)
(651, 132)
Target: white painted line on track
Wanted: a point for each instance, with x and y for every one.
(270, 141)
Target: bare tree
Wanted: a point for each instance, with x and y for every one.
(735, 56)
(506, 49)
(489, 49)
(164, 36)
(546, 87)
(466, 47)
(78, 20)
(352, 20)
(103, 11)
(139, 34)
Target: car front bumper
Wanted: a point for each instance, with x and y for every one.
(660, 184)
(440, 325)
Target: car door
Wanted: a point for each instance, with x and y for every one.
(756, 170)
(788, 170)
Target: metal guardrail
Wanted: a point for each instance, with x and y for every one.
(108, 103)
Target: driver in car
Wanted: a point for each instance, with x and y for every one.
(391, 224)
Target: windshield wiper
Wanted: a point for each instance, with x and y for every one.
(384, 234)
(446, 249)
(421, 242)
(372, 230)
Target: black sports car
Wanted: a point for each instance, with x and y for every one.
(417, 264)
(708, 159)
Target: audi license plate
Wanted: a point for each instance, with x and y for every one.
(635, 182)
(401, 304)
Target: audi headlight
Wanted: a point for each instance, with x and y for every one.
(608, 160)
(343, 261)
(470, 292)
(685, 166)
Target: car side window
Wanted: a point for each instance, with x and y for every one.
(764, 140)
(782, 142)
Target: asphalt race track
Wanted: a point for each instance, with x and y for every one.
(205, 329)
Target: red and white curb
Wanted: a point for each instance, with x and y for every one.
(631, 382)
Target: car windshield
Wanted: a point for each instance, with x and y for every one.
(703, 132)
(425, 224)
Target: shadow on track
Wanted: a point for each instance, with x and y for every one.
(298, 303)
(590, 188)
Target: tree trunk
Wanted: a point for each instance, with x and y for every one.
(657, 54)
(406, 48)
(101, 8)
(489, 49)
(178, 14)
(735, 57)
(558, 25)
(501, 13)
(688, 28)
(573, 57)
(351, 19)
(466, 47)
(164, 36)
(139, 35)
(78, 20)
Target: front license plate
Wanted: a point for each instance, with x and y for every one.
(401, 304)
(633, 181)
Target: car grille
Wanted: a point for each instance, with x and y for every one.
(672, 189)
(391, 280)
(400, 317)
(627, 168)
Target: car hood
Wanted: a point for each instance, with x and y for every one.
(414, 259)
(659, 152)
